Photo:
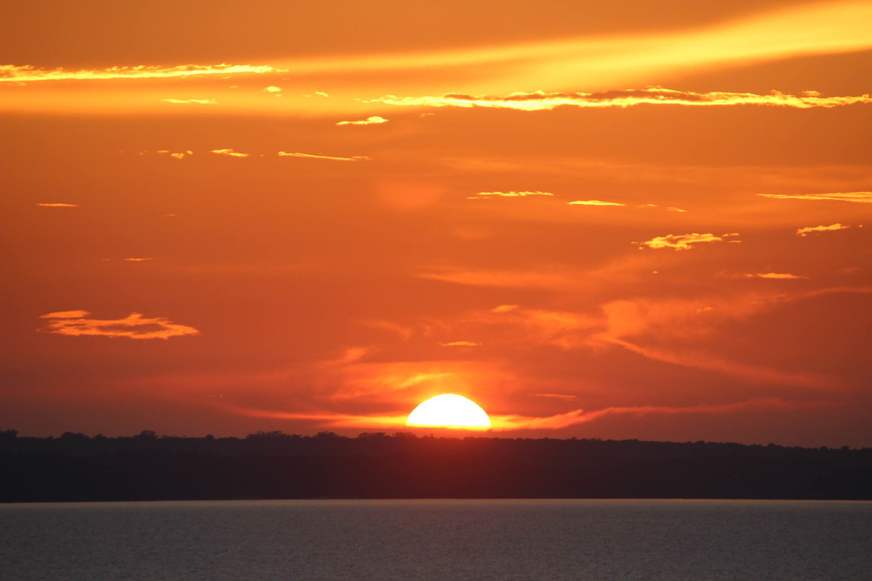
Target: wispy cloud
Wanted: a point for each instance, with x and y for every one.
(273, 90)
(371, 120)
(138, 259)
(229, 152)
(806, 230)
(500, 278)
(175, 154)
(327, 418)
(594, 203)
(686, 241)
(775, 276)
(461, 344)
(30, 74)
(669, 332)
(56, 205)
(174, 101)
(134, 326)
(76, 314)
(667, 208)
(512, 422)
(511, 194)
(852, 197)
(577, 417)
(321, 156)
(543, 101)
(565, 396)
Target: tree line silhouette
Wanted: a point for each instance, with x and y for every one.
(275, 465)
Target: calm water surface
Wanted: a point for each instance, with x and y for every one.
(438, 539)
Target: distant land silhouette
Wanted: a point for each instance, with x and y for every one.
(274, 465)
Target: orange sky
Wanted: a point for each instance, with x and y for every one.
(611, 220)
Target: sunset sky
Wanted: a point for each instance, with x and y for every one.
(621, 220)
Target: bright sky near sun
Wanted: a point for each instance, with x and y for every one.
(619, 220)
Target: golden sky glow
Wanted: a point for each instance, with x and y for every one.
(634, 220)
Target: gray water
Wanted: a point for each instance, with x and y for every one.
(438, 539)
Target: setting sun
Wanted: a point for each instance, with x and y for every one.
(449, 410)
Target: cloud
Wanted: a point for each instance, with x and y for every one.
(806, 230)
(65, 315)
(562, 329)
(273, 90)
(461, 344)
(543, 101)
(852, 197)
(701, 360)
(577, 417)
(56, 205)
(678, 326)
(174, 101)
(30, 74)
(320, 156)
(133, 326)
(371, 120)
(594, 203)
(138, 259)
(686, 241)
(329, 419)
(175, 154)
(513, 422)
(500, 278)
(497, 195)
(229, 152)
(775, 276)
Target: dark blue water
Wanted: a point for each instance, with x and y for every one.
(438, 539)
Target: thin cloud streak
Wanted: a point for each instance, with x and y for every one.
(321, 156)
(686, 241)
(513, 422)
(806, 230)
(175, 154)
(329, 419)
(542, 101)
(594, 203)
(229, 152)
(746, 371)
(579, 416)
(851, 197)
(56, 205)
(133, 326)
(775, 276)
(510, 194)
(461, 344)
(174, 101)
(371, 120)
(30, 74)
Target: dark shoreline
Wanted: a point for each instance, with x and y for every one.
(275, 466)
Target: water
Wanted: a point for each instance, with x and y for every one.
(438, 539)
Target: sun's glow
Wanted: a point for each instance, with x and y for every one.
(449, 410)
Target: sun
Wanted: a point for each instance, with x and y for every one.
(449, 410)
